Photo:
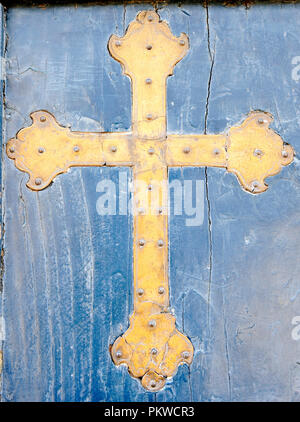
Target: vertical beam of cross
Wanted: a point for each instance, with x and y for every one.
(148, 53)
(152, 347)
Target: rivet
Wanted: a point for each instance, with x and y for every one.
(149, 116)
(149, 187)
(118, 354)
(150, 18)
(160, 243)
(153, 351)
(185, 355)
(257, 152)
(182, 42)
(141, 242)
(12, 149)
(186, 150)
(141, 210)
(160, 210)
(152, 323)
(38, 181)
(113, 149)
(148, 81)
(285, 154)
(118, 43)
(149, 47)
(152, 384)
(42, 118)
(216, 151)
(140, 292)
(261, 121)
(76, 148)
(151, 151)
(161, 290)
(255, 184)
(41, 150)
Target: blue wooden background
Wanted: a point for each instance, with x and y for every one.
(68, 271)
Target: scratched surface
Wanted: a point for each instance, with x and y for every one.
(68, 271)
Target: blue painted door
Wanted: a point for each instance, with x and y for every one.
(66, 289)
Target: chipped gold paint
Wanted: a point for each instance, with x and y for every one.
(152, 347)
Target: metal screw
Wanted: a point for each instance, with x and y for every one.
(113, 149)
(152, 384)
(216, 151)
(149, 116)
(38, 181)
(185, 355)
(285, 154)
(149, 47)
(152, 323)
(186, 150)
(153, 351)
(41, 150)
(255, 184)
(160, 243)
(148, 81)
(149, 187)
(118, 43)
(182, 42)
(118, 354)
(12, 149)
(76, 148)
(141, 242)
(161, 290)
(151, 151)
(160, 210)
(257, 152)
(150, 18)
(140, 292)
(261, 121)
(42, 118)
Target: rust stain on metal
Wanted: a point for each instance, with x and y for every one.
(152, 347)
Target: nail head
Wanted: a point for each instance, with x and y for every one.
(140, 292)
(152, 323)
(161, 290)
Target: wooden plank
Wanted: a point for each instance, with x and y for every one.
(68, 271)
(2, 78)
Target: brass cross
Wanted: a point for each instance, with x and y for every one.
(152, 347)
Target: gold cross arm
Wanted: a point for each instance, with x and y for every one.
(152, 347)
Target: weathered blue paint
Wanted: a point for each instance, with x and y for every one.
(68, 271)
(2, 77)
